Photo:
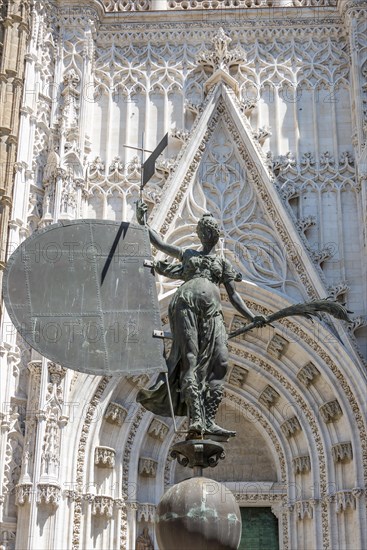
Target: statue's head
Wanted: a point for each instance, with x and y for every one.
(208, 230)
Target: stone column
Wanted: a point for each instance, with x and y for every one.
(14, 30)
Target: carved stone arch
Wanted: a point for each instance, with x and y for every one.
(221, 103)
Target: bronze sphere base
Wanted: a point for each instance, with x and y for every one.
(198, 514)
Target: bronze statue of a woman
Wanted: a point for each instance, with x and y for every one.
(198, 361)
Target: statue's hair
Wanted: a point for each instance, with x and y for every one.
(208, 220)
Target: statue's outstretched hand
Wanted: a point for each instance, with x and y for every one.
(141, 212)
(259, 321)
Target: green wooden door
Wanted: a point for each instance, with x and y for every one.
(259, 529)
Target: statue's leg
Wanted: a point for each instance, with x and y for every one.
(189, 383)
(213, 398)
(215, 384)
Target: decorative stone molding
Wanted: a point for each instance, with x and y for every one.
(304, 509)
(56, 372)
(181, 135)
(24, 493)
(320, 255)
(219, 59)
(345, 500)
(342, 452)
(237, 376)
(277, 346)
(291, 426)
(269, 396)
(301, 464)
(90, 415)
(146, 512)
(104, 457)
(338, 289)
(262, 134)
(126, 5)
(158, 429)
(139, 380)
(308, 374)
(115, 414)
(48, 493)
(102, 505)
(134, 426)
(147, 467)
(305, 223)
(242, 498)
(331, 411)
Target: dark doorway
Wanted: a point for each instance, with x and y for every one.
(259, 529)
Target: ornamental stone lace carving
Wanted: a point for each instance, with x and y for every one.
(304, 509)
(302, 464)
(146, 512)
(240, 4)
(331, 411)
(126, 5)
(342, 452)
(291, 426)
(277, 346)
(24, 492)
(102, 505)
(269, 396)
(308, 374)
(147, 467)
(48, 493)
(220, 60)
(158, 429)
(345, 500)
(104, 457)
(115, 414)
(237, 376)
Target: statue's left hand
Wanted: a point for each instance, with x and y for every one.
(259, 321)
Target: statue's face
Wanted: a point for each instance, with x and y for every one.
(207, 235)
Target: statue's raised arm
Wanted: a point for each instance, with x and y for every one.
(155, 238)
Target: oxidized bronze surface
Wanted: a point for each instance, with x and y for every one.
(81, 294)
(198, 514)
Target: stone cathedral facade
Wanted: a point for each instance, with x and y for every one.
(265, 103)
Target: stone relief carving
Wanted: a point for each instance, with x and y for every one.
(148, 467)
(55, 420)
(143, 541)
(291, 426)
(237, 376)
(301, 464)
(104, 457)
(277, 346)
(48, 493)
(115, 414)
(146, 512)
(308, 374)
(158, 429)
(269, 396)
(342, 452)
(224, 187)
(304, 509)
(102, 506)
(331, 411)
(345, 500)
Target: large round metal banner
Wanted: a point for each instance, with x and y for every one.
(82, 293)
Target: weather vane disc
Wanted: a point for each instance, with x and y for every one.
(82, 293)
